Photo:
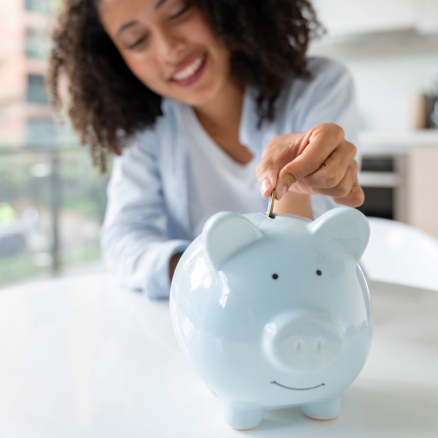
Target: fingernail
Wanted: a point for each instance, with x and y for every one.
(265, 185)
(281, 191)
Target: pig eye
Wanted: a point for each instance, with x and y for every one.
(318, 272)
(274, 276)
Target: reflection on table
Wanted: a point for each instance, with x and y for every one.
(81, 357)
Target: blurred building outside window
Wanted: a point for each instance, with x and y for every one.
(35, 89)
(37, 44)
(40, 131)
(52, 200)
(46, 7)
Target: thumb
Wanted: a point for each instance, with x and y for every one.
(267, 171)
(297, 169)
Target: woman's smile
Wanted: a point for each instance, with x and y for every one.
(170, 47)
(189, 71)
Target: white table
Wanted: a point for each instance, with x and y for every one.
(81, 357)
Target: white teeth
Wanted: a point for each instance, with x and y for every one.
(190, 70)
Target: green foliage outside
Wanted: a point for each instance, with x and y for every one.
(81, 187)
(26, 179)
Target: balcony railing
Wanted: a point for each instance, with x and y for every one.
(52, 203)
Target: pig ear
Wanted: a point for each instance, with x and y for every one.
(347, 226)
(225, 233)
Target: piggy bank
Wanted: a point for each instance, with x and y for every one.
(275, 312)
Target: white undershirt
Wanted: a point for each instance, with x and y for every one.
(215, 181)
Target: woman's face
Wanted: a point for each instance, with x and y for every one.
(169, 46)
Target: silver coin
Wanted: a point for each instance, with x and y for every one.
(270, 213)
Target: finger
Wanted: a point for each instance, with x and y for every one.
(296, 170)
(345, 185)
(333, 170)
(275, 156)
(355, 198)
(321, 145)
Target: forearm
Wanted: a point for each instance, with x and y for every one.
(140, 258)
(294, 203)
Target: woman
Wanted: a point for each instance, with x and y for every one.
(209, 105)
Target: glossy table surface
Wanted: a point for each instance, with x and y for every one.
(81, 357)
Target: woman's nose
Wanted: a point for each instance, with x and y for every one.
(168, 46)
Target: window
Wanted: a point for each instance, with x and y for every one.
(42, 6)
(37, 44)
(35, 90)
(40, 132)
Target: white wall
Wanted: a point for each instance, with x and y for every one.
(389, 70)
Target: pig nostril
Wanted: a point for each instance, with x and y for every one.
(319, 346)
(299, 346)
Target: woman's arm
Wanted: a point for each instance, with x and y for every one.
(316, 154)
(172, 264)
(294, 203)
(319, 161)
(134, 241)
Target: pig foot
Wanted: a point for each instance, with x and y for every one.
(243, 417)
(322, 410)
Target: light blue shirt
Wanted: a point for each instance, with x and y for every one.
(147, 219)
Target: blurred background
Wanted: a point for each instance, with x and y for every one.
(52, 200)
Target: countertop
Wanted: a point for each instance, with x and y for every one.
(396, 142)
(83, 358)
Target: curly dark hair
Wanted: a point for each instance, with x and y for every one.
(267, 39)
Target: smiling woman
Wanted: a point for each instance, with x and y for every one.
(111, 49)
(211, 104)
(169, 47)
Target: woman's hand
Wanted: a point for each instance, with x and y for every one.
(319, 161)
(172, 264)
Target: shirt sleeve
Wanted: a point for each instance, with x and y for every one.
(330, 97)
(134, 242)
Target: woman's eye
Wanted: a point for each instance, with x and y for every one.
(137, 43)
(181, 11)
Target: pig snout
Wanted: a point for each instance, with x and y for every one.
(303, 343)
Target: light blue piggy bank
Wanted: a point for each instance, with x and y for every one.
(275, 312)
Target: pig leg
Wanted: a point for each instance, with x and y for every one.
(322, 410)
(242, 416)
